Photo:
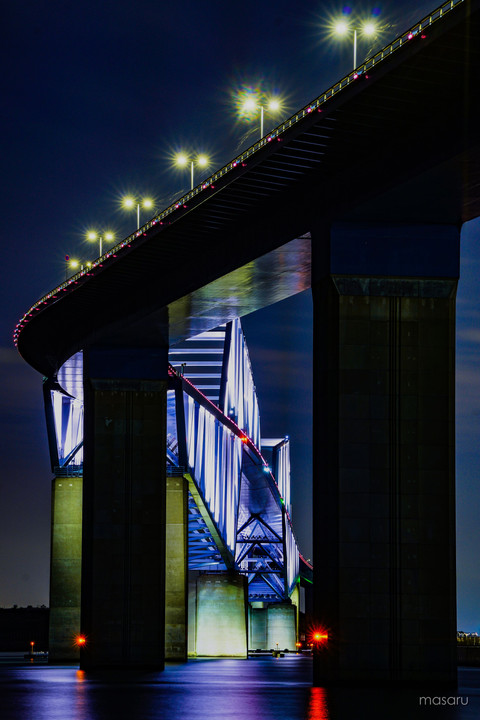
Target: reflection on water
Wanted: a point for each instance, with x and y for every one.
(257, 689)
(318, 705)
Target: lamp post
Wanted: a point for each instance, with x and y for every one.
(250, 105)
(131, 202)
(183, 160)
(92, 236)
(342, 28)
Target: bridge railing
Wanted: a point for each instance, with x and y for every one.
(415, 32)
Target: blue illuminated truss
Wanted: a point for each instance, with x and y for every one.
(238, 484)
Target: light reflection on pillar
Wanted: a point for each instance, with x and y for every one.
(318, 705)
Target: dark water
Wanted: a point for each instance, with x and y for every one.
(257, 689)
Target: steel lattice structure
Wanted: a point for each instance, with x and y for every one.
(239, 498)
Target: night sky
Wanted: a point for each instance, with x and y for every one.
(97, 96)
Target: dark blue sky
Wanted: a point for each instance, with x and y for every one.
(97, 96)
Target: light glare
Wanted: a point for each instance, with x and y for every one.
(249, 105)
(369, 28)
(181, 159)
(202, 160)
(128, 202)
(148, 203)
(341, 27)
(91, 236)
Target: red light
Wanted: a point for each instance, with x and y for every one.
(319, 637)
(80, 640)
(244, 438)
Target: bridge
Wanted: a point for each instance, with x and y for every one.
(360, 195)
(228, 508)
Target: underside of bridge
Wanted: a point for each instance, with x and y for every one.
(377, 176)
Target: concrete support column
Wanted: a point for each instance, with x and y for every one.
(65, 568)
(123, 553)
(257, 627)
(281, 624)
(176, 569)
(384, 485)
(221, 623)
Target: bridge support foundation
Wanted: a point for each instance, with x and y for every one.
(221, 621)
(123, 554)
(176, 569)
(281, 626)
(65, 569)
(384, 514)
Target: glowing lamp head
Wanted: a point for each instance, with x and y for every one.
(147, 203)
(73, 264)
(92, 236)
(274, 105)
(369, 28)
(202, 160)
(249, 105)
(181, 159)
(128, 202)
(341, 27)
(109, 236)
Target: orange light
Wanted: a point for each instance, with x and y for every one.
(320, 636)
(244, 438)
(80, 640)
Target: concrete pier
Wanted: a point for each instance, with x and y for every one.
(281, 626)
(221, 622)
(123, 554)
(176, 569)
(384, 495)
(65, 568)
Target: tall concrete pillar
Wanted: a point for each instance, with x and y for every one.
(176, 569)
(221, 624)
(123, 553)
(384, 486)
(65, 568)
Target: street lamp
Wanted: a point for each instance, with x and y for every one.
(92, 236)
(73, 264)
(250, 105)
(182, 160)
(129, 203)
(342, 28)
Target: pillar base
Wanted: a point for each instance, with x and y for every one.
(65, 569)
(221, 622)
